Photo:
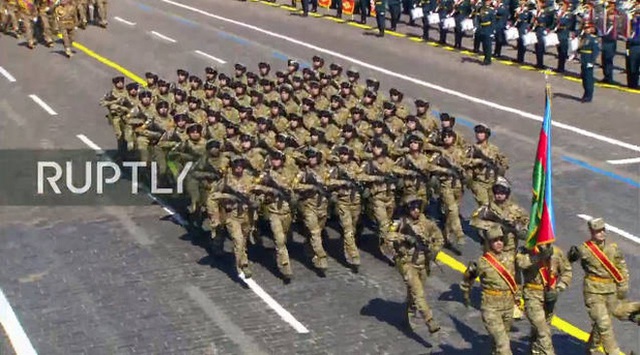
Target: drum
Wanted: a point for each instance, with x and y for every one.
(434, 18)
(467, 25)
(551, 39)
(511, 33)
(449, 23)
(529, 38)
(416, 13)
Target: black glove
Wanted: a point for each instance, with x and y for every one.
(472, 270)
(574, 254)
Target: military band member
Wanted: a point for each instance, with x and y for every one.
(564, 25)
(588, 50)
(633, 49)
(486, 22)
(609, 41)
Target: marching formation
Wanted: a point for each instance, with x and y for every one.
(42, 20)
(310, 144)
(541, 24)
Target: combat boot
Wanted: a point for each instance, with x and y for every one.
(635, 317)
(433, 326)
(68, 52)
(246, 271)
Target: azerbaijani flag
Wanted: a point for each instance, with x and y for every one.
(542, 218)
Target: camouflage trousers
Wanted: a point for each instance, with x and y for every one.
(451, 195)
(600, 308)
(381, 208)
(482, 192)
(540, 322)
(349, 216)
(315, 216)
(238, 225)
(414, 277)
(497, 316)
(27, 22)
(280, 223)
(67, 37)
(48, 22)
(9, 19)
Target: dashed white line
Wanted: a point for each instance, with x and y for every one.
(432, 86)
(7, 75)
(120, 19)
(13, 329)
(624, 161)
(210, 57)
(616, 230)
(259, 291)
(160, 35)
(43, 104)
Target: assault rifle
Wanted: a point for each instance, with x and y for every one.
(514, 227)
(490, 164)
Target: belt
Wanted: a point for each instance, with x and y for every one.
(605, 280)
(586, 51)
(496, 292)
(485, 23)
(532, 286)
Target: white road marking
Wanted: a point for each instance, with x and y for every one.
(416, 81)
(210, 57)
(259, 291)
(89, 143)
(283, 313)
(43, 104)
(12, 327)
(624, 161)
(124, 21)
(160, 35)
(7, 75)
(616, 230)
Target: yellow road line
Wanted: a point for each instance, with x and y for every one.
(443, 257)
(359, 25)
(396, 34)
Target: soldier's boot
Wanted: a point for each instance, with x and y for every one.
(68, 52)
(321, 265)
(433, 326)
(246, 271)
(410, 314)
(635, 317)
(286, 272)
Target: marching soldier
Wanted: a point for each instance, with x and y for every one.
(100, 7)
(235, 193)
(381, 12)
(588, 50)
(486, 21)
(606, 284)
(496, 271)
(28, 13)
(487, 164)
(47, 20)
(546, 274)
(416, 240)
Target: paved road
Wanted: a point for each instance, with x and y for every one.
(122, 280)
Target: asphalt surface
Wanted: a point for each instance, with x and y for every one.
(105, 280)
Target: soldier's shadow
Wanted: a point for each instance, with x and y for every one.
(392, 313)
(566, 96)
(478, 341)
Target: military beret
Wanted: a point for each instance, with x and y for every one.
(179, 92)
(308, 101)
(448, 132)
(274, 103)
(162, 83)
(414, 138)
(345, 85)
(239, 85)
(162, 104)
(395, 92)
(210, 70)
(277, 155)
(281, 137)
(356, 110)
(245, 109)
(480, 128)
(262, 120)
(180, 117)
(286, 87)
(445, 117)
(596, 224)
(307, 71)
(245, 137)
(145, 94)
(293, 63)
(317, 59)
(297, 78)
(294, 117)
(193, 78)
(370, 94)
(182, 72)
(421, 103)
(118, 79)
(231, 125)
(314, 84)
(213, 144)
(348, 128)
(264, 65)
(266, 82)
(238, 160)
(226, 96)
(371, 81)
(337, 98)
(411, 118)
(252, 75)
(240, 66)
(495, 232)
(353, 72)
(223, 76)
(312, 153)
(196, 127)
(132, 86)
(335, 66)
(377, 124)
(325, 113)
(325, 76)
(209, 86)
(255, 93)
(388, 105)
(193, 100)
(281, 74)
(379, 143)
(413, 202)
(212, 113)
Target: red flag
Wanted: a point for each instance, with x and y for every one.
(348, 6)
